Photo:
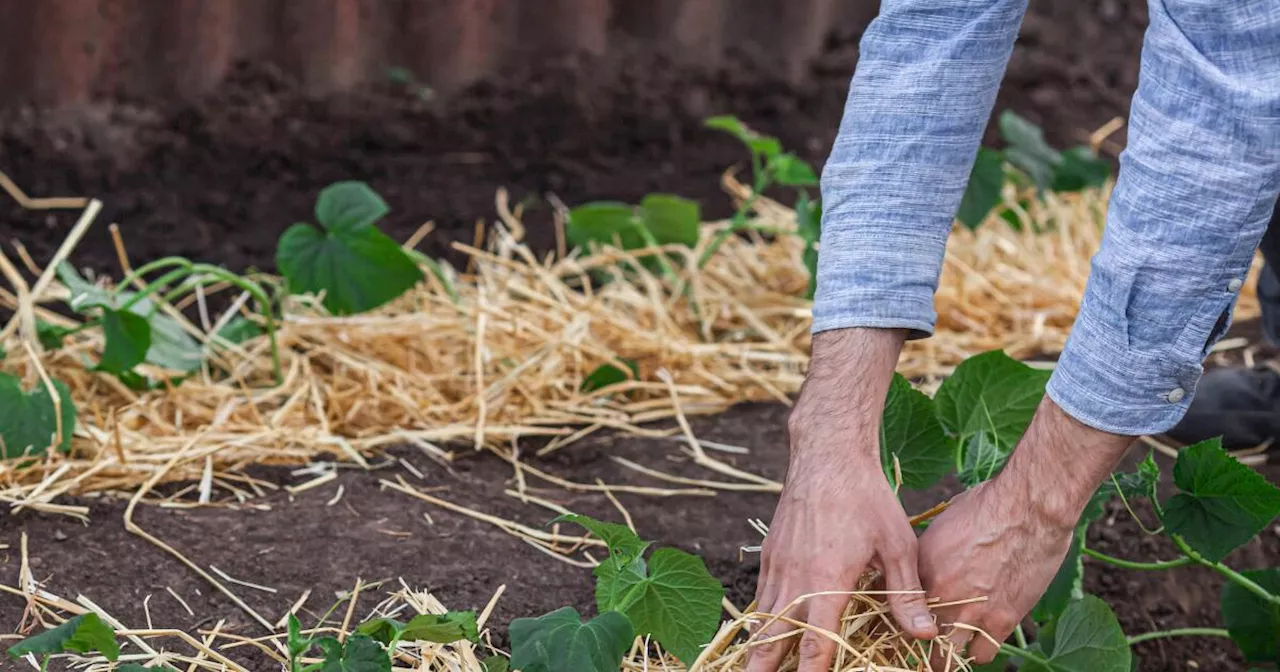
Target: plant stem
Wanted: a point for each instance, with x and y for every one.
(1020, 636)
(1231, 574)
(1021, 653)
(1130, 564)
(1179, 632)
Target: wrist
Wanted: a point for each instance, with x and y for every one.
(1058, 465)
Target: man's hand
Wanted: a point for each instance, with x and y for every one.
(837, 513)
(1005, 539)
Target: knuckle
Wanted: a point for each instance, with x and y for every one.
(813, 647)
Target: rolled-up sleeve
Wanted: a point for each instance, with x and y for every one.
(926, 81)
(1196, 189)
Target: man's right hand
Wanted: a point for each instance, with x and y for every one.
(837, 513)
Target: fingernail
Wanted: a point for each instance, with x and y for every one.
(922, 622)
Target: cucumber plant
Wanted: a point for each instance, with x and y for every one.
(972, 425)
(84, 634)
(669, 597)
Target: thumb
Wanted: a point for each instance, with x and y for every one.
(907, 599)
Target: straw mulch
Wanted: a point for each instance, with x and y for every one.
(506, 357)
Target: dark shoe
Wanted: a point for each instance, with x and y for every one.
(1240, 405)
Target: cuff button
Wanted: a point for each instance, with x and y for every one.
(1176, 394)
(1234, 285)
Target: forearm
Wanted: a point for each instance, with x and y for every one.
(844, 392)
(926, 81)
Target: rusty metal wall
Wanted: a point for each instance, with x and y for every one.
(59, 52)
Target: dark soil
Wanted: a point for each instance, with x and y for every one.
(298, 543)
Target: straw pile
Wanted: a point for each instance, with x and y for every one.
(505, 358)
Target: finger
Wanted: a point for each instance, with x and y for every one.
(999, 626)
(907, 599)
(816, 650)
(768, 656)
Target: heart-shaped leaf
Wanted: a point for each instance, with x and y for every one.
(1086, 638)
(1254, 623)
(1028, 150)
(983, 193)
(981, 458)
(347, 207)
(86, 633)
(357, 270)
(671, 219)
(1221, 503)
(29, 420)
(1080, 169)
(677, 602)
(910, 431)
(1067, 585)
(128, 337)
(620, 539)
(993, 393)
(560, 642)
(495, 664)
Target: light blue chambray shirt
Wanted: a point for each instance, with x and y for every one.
(1196, 187)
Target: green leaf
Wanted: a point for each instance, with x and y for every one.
(991, 392)
(1067, 585)
(1028, 150)
(910, 431)
(790, 170)
(678, 603)
(983, 193)
(1086, 638)
(50, 336)
(560, 642)
(444, 628)
(1080, 169)
(86, 633)
(981, 458)
(357, 270)
(347, 207)
(296, 643)
(600, 222)
(128, 337)
(671, 219)
(1140, 483)
(358, 654)
(1221, 503)
(809, 228)
(619, 538)
(29, 421)
(1254, 623)
(1000, 664)
(171, 346)
(758, 144)
(495, 664)
(608, 374)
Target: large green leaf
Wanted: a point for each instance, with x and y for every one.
(346, 207)
(1221, 503)
(1067, 585)
(171, 346)
(678, 602)
(1086, 638)
(991, 392)
(1254, 623)
(561, 642)
(790, 170)
(1028, 150)
(128, 337)
(357, 270)
(910, 431)
(601, 222)
(608, 374)
(29, 421)
(986, 181)
(1080, 169)
(981, 458)
(495, 664)
(620, 539)
(358, 654)
(86, 633)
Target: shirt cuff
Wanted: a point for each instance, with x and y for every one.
(1104, 383)
(877, 309)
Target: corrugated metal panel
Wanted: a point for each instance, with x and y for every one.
(57, 52)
